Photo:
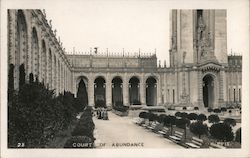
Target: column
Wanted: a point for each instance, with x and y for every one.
(221, 93)
(125, 89)
(142, 91)
(165, 88)
(91, 90)
(108, 92)
(200, 87)
(159, 91)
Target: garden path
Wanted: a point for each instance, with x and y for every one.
(117, 130)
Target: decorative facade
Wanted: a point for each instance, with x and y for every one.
(200, 73)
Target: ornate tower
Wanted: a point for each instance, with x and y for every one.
(198, 36)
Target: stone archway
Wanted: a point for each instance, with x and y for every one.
(82, 92)
(208, 90)
(151, 91)
(100, 92)
(134, 92)
(35, 53)
(117, 95)
(43, 62)
(21, 53)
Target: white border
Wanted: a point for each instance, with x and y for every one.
(180, 4)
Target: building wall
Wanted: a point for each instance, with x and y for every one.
(45, 58)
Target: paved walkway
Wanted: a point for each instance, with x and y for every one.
(121, 132)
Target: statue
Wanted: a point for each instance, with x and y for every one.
(44, 13)
(50, 23)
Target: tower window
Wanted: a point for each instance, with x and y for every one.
(199, 13)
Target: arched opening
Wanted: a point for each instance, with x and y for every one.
(117, 98)
(50, 78)
(43, 64)
(100, 92)
(54, 73)
(134, 93)
(35, 53)
(208, 91)
(82, 93)
(151, 91)
(21, 56)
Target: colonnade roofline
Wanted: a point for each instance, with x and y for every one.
(114, 54)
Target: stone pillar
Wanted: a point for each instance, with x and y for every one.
(125, 89)
(165, 88)
(200, 84)
(108, 92)
(91, 90)
(142, 91)
(159, 90)
(221, 93)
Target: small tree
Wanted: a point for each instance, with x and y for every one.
(213, 119)
(231, 122)
(192, 116)
(238, 135)
(170, 121)
(222, 132)
(31, 78)
(210, 110)
(223, 109)
(217, 110)
(182, 123)
(198, 128)
(21, 75)
(184, 115)
(178, 114)
(142, 114)
(196, 108)
(202, 117)
(161, 118)
(184, 108)
(11, 78)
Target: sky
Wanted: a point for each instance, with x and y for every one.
(133, 25)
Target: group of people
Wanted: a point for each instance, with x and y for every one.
(102, 113)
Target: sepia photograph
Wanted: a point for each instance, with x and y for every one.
(127, 77)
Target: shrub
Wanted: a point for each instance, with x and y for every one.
(202, 117)
(184, 108)
(161, 118)
(192, 116)
(152, 117)
(238, 135)
(178, 114)
(21, 75)
(230, 111)
(230, 122)
(143, 114)
(198, 128)
(222, 132)
(182, 123)
(213, 119)
(223, 109)
(210, 110)
(217, 110)
(184, 115)
(121, 108)
(36, 115)
(196, 108)
(11, 79)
